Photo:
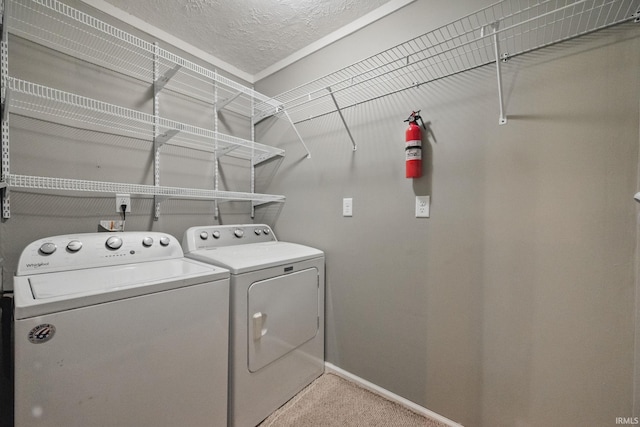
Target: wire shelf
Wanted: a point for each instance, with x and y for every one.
(45, 103)
(68, 30)
(64, 184)
(520, 26)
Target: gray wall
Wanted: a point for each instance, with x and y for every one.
(513, 305)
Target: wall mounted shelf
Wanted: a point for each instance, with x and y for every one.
(491, 35)
(59, 27)
(41, 102)
(63, 184)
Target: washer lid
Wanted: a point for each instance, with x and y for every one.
(51, 292)
(107, 279)
(255, 256)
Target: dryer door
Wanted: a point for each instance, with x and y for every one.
(282, 315)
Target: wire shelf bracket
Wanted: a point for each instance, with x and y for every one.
(261, 115)
(493, 29)
(298, 134)
(221, 105)
(160, 82)
(165, 137)
(344, 122)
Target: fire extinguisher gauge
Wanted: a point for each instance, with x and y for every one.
(414, 117)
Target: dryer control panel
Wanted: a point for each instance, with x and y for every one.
(214, 236)
(89, 250)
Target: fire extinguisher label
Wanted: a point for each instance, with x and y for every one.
(413, 153)
(413, 143)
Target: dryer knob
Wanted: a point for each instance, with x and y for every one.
(164, 241)
(74, 246)
(114, 242)
(147, 241)
(239, 233)
(204, 235)
(215, 234)
(48, 248)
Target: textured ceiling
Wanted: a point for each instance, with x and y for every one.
(248, 34)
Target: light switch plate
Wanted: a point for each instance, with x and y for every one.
(347, 207)
(422, 206)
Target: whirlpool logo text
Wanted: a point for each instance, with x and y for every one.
(37, 264)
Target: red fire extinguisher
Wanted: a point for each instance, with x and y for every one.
(413, 147)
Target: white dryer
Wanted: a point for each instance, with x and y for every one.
(119, 330)
(276, 345)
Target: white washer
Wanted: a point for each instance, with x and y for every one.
(277, 315)
(119, 330)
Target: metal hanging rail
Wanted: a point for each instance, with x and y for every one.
(515, 27)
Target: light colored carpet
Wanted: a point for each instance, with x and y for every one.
(333, 401)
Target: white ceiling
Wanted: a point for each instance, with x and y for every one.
(251, 35)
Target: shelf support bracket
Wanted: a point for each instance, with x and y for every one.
(496, 48)
(263, 115)
(162, 81)
(344, 122)
(297, 133)
(222, 104)
(160, 140)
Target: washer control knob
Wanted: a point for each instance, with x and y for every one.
(164, 241)
(258, 231)
(239, 233)
(147, 241)
(48, 248)
(266, 231)
(215, 234)
(74, 246)
(114, 242)
(204, 235)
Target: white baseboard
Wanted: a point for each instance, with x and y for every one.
(331, 368)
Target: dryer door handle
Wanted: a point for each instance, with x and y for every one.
(259, 319)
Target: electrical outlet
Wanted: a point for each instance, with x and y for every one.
(347, 207)
(123, 199)
(422, 206)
